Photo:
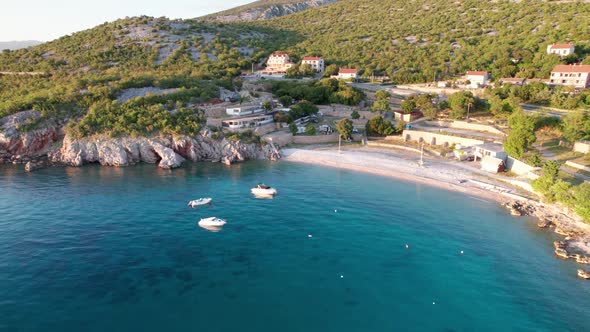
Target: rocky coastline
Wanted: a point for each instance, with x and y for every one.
(50, 146)
(575, 244)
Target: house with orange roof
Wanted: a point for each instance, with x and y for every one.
(278, 63)
(575, 75)
(477, 79)
(562, 50)
(347, 74)
(316, 63)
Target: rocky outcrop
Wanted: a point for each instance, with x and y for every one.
(22, 146)
(167, 151)
(265, 12)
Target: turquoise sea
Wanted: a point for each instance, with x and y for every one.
(117, 249)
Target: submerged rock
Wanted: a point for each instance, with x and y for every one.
(584, 274)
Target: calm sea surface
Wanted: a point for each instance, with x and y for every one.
(117, 249)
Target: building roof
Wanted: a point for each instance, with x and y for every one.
(560, 46)
(494, 147)
(347, 71)
(279, 53)
(571, 69)
(477, 73)
(311, 58)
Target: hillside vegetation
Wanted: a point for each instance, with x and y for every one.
(410, 41)
(89, 69)
(414, 41)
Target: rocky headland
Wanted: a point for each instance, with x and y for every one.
(51, 146)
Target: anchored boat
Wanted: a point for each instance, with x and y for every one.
(201, 201)
(263, 190)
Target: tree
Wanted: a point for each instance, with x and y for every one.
(355, 115)
(293, 128)
(310, 129)
(380, 105)
(344, 128)
(382, 94)
(331, 70)
(378, 126)
(521, 135)
(303, 108)
(582, 200)
(286, 101)
(429, 111)
(267, 106)
(459, 102)
(576, 126)
(408, 106)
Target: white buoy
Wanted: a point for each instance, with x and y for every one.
(341, 276)
(461, 252)
(407, 246)
(309, 236)
(433, 303)
(335, 211)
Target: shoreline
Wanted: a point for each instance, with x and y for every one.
(450, 176)
(403, 169)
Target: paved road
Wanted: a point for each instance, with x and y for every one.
(531, 108)
(549, 155)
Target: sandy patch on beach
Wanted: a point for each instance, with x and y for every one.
(404, 166)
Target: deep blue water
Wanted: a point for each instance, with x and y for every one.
(116, 249)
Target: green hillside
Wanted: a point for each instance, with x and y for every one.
(82, 75)
(415, 40)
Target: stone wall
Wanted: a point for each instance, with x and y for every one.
(321, 139)
(518, 167)
(577, 166)
(467, 126)
(438, 139)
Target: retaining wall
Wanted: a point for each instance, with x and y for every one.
(518, 167)
(438, 139)
(467, 126)
(577, 166)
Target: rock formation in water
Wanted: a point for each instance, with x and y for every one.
(40, 147)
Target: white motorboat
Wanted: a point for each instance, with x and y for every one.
(201, 201)
(263, 190)
(211, 222)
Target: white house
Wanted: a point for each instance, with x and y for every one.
(316, 63)
(243, 110)
(477, 79)
(561, 49)
(490, 150)
(577, 76)
(347, 74)
(247, 122)
(278, 63)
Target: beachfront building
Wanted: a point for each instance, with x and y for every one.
(316, 63)
(577, 76)
(407, 117)
(347, 74)
(243, 110)
(477, 79)
(562, 50)
(278, 63)
(493, 165)
(247, 122)
(491, 150)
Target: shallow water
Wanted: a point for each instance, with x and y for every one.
(98, 249)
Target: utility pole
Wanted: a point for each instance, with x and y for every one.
(468, 107)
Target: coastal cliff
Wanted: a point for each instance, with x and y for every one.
(49, 145)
